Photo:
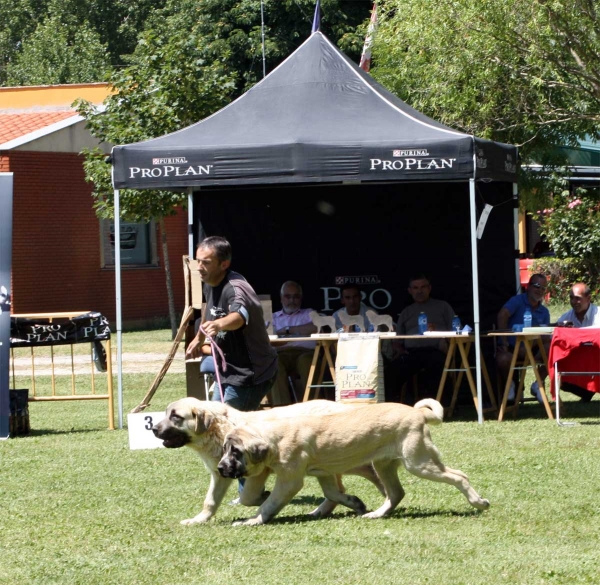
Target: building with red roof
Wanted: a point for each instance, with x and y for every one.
(63, 255)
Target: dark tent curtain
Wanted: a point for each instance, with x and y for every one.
(379, 234)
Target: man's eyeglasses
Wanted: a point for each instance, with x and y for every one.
(540, 286)
(289, 297)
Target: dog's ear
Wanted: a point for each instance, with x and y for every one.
(203, 420)
(258, 451)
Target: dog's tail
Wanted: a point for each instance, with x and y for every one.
(433, 410)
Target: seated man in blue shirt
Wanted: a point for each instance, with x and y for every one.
(512, 313)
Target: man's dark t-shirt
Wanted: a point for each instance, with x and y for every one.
(250, 358)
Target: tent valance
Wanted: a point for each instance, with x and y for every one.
(318, 117)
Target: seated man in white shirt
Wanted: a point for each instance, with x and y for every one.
(583, 314)
(294, 357)
(351, 299)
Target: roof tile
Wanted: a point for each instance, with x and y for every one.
(16, 125)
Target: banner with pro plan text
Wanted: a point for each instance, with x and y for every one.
(86, 327)
(6, 200)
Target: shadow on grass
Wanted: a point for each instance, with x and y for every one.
(307, 500)
(532, 410)
(73, 431)
(418, 513)
(398, 513)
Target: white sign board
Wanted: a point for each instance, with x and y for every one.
(483, 220)
(140, 430)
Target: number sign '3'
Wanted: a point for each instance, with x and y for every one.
(140, 430)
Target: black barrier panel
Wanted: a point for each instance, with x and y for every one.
(19, 412)
(87, 327)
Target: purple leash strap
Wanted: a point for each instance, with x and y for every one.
(214, 348)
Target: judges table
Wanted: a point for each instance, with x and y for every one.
(463, 344)
(529, 340)
(455, 363)
(575, 355)
(459, 363)
(323, 344)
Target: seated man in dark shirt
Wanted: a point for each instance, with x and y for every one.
(426, 356)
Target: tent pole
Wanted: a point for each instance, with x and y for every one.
(190, 191)
(476, 297)
(516, 234)
(118, 303)
(262, 34)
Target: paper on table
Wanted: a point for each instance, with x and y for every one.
(444, 333)
(540, 330)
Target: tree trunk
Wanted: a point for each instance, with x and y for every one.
(171, 298)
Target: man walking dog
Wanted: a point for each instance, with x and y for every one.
(234, 320)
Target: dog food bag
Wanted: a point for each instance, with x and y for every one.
(359, 369)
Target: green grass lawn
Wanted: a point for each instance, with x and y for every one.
(78, 507)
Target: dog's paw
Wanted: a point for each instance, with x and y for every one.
(195, 520)
(483, 505)
(357, 505)
(379, 513)
(249, 522)
(371, 516)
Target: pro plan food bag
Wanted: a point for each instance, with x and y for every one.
(359, 369)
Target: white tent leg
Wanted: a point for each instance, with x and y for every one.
(118, 304)
(557, 380)
(191, 222)
(516, 233)
(476, 298)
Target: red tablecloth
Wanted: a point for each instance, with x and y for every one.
(576, 350)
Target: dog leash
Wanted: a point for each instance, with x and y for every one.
(214, 348)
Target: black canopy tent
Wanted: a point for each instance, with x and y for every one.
(317, 117)
(320, 123)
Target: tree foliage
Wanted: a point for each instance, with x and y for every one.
(526, 73)
(82, 38)
(572, 224)
(56, 54)
(563, 272)
(231, 30)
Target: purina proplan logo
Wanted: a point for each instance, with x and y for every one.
(411, 159)
(176, 166)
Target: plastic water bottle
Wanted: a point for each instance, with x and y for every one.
(456, 325)
(422, 323)
(527, 319)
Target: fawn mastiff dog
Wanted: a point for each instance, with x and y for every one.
(203, 425)
(385, 434)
